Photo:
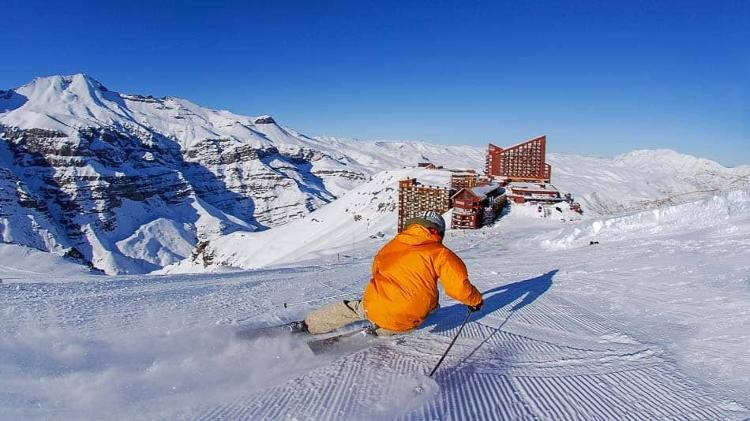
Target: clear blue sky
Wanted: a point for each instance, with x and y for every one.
(599, 77)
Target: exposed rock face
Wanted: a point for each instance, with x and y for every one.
(266, 119)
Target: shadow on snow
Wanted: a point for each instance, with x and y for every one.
(450, 317)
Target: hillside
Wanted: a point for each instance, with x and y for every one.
(627, 183)
(131, 183)
(644, 325)
(642, 179)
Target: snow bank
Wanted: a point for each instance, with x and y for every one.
(713, 211)
(20, 263)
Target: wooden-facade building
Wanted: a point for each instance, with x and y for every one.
(474, 207)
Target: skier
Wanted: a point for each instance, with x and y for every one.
(403, 288)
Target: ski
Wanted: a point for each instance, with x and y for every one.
(342, 340)
(268, 331)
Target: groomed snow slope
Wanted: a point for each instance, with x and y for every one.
(637, 327)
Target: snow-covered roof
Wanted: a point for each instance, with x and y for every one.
(484, 190)
(479, 191)
(532, 186)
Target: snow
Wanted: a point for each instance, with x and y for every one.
(209, 153)
(336, 166)
(481, 191)
(598, 183)
(641, 179)
(19, 263)
(720, 209)
(641, 325)
(332, 231)
(638, 310)
(67, 103)
(160, 242)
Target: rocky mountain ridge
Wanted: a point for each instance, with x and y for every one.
(134, 184)
(93, 173)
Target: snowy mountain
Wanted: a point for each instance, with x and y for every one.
(367, 214)
(131, 183)
(642, 179)
(630, 182)
(639, 311)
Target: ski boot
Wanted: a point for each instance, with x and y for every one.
(297, 327)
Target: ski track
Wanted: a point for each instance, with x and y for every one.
(509, 377)
(506, 376)
(546, 357)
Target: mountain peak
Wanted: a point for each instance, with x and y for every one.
(61, 83)
(62, 102)
(264, 119)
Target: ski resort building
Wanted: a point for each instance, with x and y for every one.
(475, 201)
(535, 193)
(415, 198)
(474, 207)
(517, 174)
(522, 162)
(467, 179)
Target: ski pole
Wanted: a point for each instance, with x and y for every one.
(466, 319)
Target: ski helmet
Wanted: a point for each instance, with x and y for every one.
(429, 219)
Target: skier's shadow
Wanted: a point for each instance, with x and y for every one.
(447, 318)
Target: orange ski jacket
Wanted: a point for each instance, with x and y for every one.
(403, 289)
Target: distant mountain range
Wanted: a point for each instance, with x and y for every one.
(131, 183)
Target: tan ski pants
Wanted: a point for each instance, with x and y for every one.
(339, 314)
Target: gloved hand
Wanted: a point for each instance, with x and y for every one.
(476, 307)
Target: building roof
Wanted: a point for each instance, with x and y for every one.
(519, 143)
(484, 190)
(479, 191)
(531, 186)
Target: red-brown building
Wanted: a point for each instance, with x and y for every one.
(467, 178)
(459, 180)
(522, 162)
(474, 207)
(415, 198)
(537, 193)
